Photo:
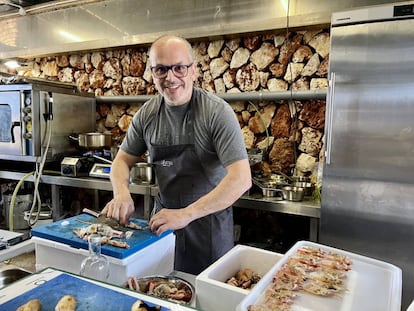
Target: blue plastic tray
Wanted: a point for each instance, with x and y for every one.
(88, 295)
(62, 231)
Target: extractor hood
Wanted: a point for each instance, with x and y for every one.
(71, 25)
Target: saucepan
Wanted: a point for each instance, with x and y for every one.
(142, 173)
(93, 140)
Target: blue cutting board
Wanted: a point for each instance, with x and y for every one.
(62, 231)
(89, 296)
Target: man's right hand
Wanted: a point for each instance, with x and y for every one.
(120, 208)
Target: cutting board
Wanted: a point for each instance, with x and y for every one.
(90, 296)
(62, 231)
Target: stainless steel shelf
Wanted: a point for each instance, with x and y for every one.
(77, 182)
(308, 207)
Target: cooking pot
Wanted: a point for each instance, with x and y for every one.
(94, 140)
(307, 187)
(293, 193)
(141, 173)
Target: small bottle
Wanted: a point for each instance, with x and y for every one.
(95, 266)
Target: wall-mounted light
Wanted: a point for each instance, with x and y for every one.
(14, 63)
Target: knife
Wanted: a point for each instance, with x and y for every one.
(102, 219)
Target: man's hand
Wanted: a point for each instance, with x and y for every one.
(120, 208)
(169, 219)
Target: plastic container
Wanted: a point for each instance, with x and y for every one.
(371, 285)
(57, 246)
(213, 293)
(156, 258)
(22, 204)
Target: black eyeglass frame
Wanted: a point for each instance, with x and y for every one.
(168, 68)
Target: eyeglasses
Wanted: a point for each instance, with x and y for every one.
(180, 71)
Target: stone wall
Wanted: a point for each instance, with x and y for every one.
(289, 132)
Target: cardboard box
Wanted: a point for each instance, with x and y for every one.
(212, 291)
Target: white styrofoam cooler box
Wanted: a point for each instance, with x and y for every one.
(213, 293)
(371, 285)
(156, 258)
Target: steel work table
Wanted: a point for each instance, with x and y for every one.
(306, 208)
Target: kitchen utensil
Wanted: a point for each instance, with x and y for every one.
(93, 140)
(141, 173)
(102, 219)
(307, 187)
(301, 179)
(145, 285)
(295, 194)
(272, 192)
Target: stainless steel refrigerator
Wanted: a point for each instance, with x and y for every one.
(368, 176)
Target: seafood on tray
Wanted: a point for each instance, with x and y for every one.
(245, 278)
(106, 232)
(163, 287)
(309, 270)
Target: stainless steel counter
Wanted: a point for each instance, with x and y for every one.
(306, 208)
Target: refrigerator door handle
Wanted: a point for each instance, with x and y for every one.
(329, 117)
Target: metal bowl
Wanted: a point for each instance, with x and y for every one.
(301, 179)
(295, 194)
(145, 283)
(271, 192)
(307, 186)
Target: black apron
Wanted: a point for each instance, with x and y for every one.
(181, 180)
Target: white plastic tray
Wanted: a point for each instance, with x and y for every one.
(371, 285)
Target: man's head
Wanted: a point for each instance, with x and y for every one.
(173, 69)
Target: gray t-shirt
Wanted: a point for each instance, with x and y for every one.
(217, 136)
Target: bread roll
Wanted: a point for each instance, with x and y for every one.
(31, 305)
(66, 303)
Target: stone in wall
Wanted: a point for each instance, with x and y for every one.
(248, 136)
(245, 63)
(62, 61)
(137, 64)
(319, 84)
(281, 123)
(112, 69)
(282, 155)
(313, 113)
(311, 141)
(320, 43)
(50, 69)
(265, 55)
(227, 54)
(217, 67)
(262, 119)
(133, 85)
(289, 47)
(66, 75)
(82, 80)
(97, 60)
(124, 122)
(97, 79)
(240, 58)
(311, 66)
(305, 163)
